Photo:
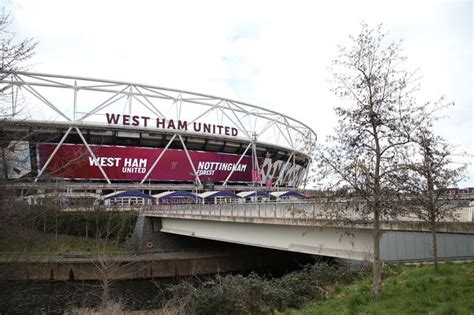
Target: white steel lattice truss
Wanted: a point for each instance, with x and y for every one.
(81, 102)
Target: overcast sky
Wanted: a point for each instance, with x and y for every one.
(269, 53)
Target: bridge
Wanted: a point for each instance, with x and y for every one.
(306, 227)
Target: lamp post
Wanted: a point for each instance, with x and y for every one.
(196, 186)
(255, 167)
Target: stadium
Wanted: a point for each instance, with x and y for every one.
(85, 135)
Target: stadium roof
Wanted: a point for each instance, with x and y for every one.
(213, 194)
(281, 194)
(252, 193)
(128, 193)
(89, 109)
(175, 194)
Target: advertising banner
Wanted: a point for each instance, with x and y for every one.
(73, 161)
(15, 159)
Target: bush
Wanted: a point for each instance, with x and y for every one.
(94, 224)
(305, 285)
(253, 294)
(113, 308)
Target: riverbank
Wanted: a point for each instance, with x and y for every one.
(22, 240)
(29, 254)
(148, 266)
(407, 289)
(318, 289)
(159, 294)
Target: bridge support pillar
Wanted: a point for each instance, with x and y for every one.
(148, 238)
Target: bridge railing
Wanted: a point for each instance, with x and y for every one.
(300, 209)
(282, 209)
(303, 210)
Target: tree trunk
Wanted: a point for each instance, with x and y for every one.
(56, 232)
(105, 291)
(377, 272)
(377, 281)
(434, 246)
(4, 163)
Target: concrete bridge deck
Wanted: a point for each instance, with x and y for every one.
(301, 214)
(307, 228)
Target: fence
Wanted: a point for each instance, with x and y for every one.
(302, 209)
(280, 209)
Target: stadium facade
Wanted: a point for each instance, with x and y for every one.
(95, 133)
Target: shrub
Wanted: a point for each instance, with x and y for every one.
(95, 224)
(448, 309)
(253, 294)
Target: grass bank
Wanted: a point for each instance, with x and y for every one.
(49, 230)
(407, 289)
(32, 241)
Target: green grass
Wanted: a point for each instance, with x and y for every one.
(35, 242)
(407, 289)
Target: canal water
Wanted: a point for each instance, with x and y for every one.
(57, 297)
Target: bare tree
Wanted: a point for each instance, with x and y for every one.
(13, 54)
(110, 266)
(377, 118)
(427, 181)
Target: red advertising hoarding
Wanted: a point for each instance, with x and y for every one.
(73, 161)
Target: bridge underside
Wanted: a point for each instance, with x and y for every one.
(332, 242)
(346, 243)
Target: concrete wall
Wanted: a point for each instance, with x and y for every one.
(147, 266)
(400, 246)
(148, 229)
